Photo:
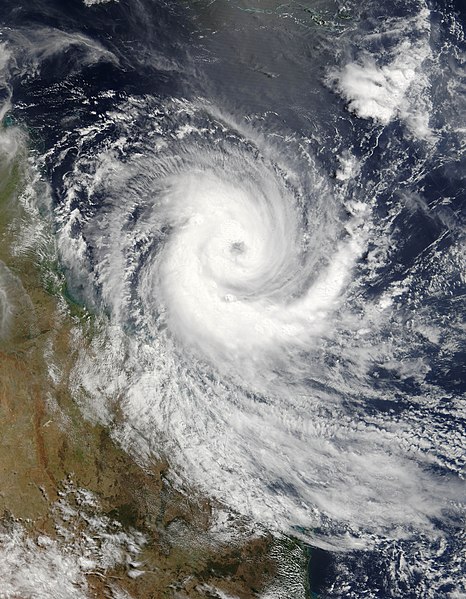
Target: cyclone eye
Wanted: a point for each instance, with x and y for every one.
(238, 247)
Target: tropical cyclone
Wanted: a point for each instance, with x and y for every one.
(257, 284)
(234, 277)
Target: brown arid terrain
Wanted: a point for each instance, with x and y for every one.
(51, 456)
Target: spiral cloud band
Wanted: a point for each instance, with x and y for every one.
(240, 342)
(230, 266)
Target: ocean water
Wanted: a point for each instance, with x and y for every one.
(263, 206)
